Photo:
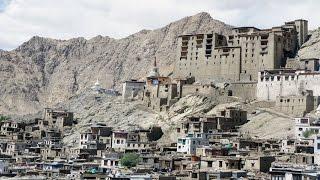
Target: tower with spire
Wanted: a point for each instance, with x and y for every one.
(154, 73)
(96, 87)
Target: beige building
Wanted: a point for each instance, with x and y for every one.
(131, 89)
(57, 119)
(239, 56)
(297, 105)
(160, 92)
(309, 64)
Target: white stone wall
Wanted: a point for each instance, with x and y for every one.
(269, 89)
(130, 89)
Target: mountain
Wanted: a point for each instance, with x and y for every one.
(43, 72)
(311, 49)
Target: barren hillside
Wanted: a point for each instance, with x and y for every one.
(44, 71)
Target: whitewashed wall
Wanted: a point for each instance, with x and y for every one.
(270, 89)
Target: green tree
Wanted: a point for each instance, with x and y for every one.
(4, 118)
(130, 160)
(308, 133)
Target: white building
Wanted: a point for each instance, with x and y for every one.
(305, 127)
(4, 168)
(288, 146)
(316, 149)
(88, 141)
(274, 83)
(119, 140)
(189, 144)
(110, 163)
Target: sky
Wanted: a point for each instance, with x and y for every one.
(65, 19)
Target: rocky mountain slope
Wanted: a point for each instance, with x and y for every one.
(44, 71)
(311, 49)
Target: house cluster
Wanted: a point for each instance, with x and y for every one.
(216, 150)
(23, 145)
(206, 147)
(38, 149)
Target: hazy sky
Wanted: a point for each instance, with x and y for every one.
(64, 19)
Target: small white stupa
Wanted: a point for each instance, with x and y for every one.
(97, 87)
(154, 73)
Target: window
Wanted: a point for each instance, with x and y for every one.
(220, 162)
(304, 121)
(194, 175)
(318, 146)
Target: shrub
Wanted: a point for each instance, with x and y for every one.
(130, 160)
(308, 133)
(4, 118)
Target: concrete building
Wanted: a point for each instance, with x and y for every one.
(258, 163)
(88, 140)
(305, 127)
(301, 27)
(14, 148)
(289, 171)
(316, 149)
(239, 56)
(297, 105)
(310, 64)
(131, 89)
(110, 161)
(225, 120)
(57, 119)
(119, 140)
(189, 144)
(288, 146)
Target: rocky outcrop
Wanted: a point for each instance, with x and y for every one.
(43, 71)
(311, 49)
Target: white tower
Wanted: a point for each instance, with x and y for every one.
(96, 87)
(154, 73)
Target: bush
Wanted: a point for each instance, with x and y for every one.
(130, 160)
(4, 118)
(308, 133)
